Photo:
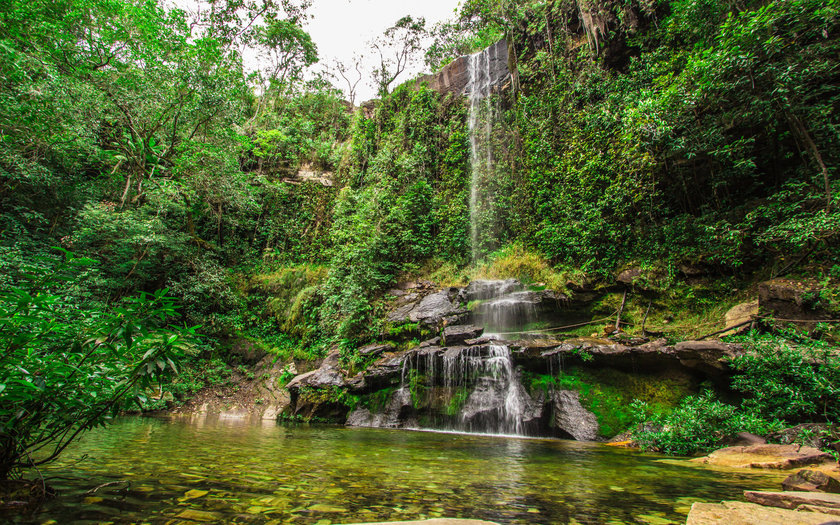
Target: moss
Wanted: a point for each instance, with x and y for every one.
(608, 393)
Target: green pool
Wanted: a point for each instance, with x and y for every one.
(233, 471)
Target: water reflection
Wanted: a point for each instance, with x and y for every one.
(223, 470)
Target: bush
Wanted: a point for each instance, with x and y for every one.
(699, 423)
(789, 377)
(67, 367)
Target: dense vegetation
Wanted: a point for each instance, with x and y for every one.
(658, 133)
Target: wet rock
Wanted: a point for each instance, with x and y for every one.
(811, 481)
(454, 77)
(481, 290)
(794, 500)
(571, 418)
(766, 456)
(458, 335)
(487, 408)
(394, 415)
(477, 341)
(433, 308)
(739, 513)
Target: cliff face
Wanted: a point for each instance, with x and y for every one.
(455, 76)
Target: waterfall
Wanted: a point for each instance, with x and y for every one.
(480, 124)
(477, 387)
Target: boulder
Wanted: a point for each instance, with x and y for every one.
(811, 481)
(817, 435)
(796, 500)
(458, 335)
(629, 276)
(571, 418)
(375, 349)
(394, 414)
(766, 456)
(328, 375)
(739, 513)
(433, 308)
(788, 300)
(739, 314)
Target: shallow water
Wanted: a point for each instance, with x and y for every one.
(233, 471)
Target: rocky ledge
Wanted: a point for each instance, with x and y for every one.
(811, 496)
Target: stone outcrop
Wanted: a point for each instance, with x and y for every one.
(789, 300)
(707, 357)
(430, 309)
(739, 513)
(454, 78)
(811, 481)
(459, 335)
(766, 456)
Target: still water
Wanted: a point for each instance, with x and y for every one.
(231, 471)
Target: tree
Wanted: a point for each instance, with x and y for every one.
(66, 367)
(287, 50)
(351, 74)
(397, 49)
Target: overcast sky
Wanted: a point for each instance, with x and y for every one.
(341, 28)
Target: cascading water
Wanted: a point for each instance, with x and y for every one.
(482, 79)
(478, 386)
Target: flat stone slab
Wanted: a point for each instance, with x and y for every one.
(739, 513)
(437, 521)
(794, 499)
(766, 456)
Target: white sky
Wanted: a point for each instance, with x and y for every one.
(341, 28)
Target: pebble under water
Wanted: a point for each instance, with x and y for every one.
(234, 471)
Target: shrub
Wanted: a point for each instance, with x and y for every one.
(698, 424)
(789, 377)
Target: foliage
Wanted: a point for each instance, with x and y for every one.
(700, 423)
(791, 378)
(608, 393)
(67, 368)
(397, 49)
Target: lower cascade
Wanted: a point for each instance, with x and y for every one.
(481, 379)
(467, 379)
